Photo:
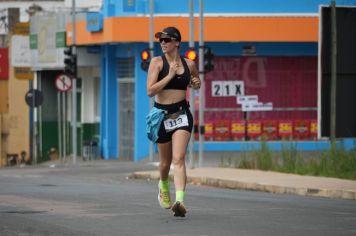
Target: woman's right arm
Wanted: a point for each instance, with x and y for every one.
(154, 86)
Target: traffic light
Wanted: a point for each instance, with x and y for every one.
(70, 62)
(145, 57)
(208, 60)
(191, 54)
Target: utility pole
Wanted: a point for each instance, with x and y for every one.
(74, 89)
(333, 72)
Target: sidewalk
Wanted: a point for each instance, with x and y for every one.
(266, 181)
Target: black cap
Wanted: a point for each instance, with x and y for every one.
(170, 31)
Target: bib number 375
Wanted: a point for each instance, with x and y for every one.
(180, 121)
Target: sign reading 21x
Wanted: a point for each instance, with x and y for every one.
(227, 88)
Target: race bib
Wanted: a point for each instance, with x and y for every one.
(180, 121)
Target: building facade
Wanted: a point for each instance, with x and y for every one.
(15, 114)
(264, 49)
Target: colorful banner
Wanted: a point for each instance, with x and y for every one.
(285, 129)
(238, 129)
(254, 129)
(288, 83)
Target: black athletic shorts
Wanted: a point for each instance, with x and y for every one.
(176, 113)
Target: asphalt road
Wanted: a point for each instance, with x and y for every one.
(99, 199)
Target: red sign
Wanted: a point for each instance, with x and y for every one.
(222, 130)
(63, 82)
(313, 129)
(254, 129)
(285, 129)
(4, 64)
(238, 129)
(301, 129)
(270, 129)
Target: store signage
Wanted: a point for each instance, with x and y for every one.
(60, 39)
(20, 51)
(250, 103)
(23, 73)
(46, 40)
(94, 21)
(129, 5)
(249, 50)
(4, 63)
(257, 106)
(33, 41)
(248, 99)
(227, 88)
(22, 28)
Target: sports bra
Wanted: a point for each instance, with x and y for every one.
(179, 82)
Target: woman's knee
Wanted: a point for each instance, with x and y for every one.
(178, 160)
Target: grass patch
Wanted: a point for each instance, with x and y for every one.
(264, 159)
(335, 162)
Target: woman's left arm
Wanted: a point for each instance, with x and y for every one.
(195, 82)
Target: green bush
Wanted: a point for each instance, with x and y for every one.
(264, 158)
(290, 159)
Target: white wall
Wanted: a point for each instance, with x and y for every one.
(87, 59)
(90, 4)
(24, 5)
(90, 94)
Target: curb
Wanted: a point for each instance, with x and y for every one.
(230, 184)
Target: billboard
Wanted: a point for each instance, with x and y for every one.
(345, 71)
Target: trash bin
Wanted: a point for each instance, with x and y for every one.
(90, 150)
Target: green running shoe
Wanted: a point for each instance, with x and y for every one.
(179, 209)
(164, 199)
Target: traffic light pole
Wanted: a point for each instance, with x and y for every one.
(191, 90)
(202, 87)
(74, 89)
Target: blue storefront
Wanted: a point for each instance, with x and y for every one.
(282, 36)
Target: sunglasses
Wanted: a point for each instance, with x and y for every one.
(166, 40)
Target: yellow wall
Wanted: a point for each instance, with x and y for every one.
(14, 114)
(4, 96)
(18, 139)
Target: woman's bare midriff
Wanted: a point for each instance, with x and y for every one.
(169, 96)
